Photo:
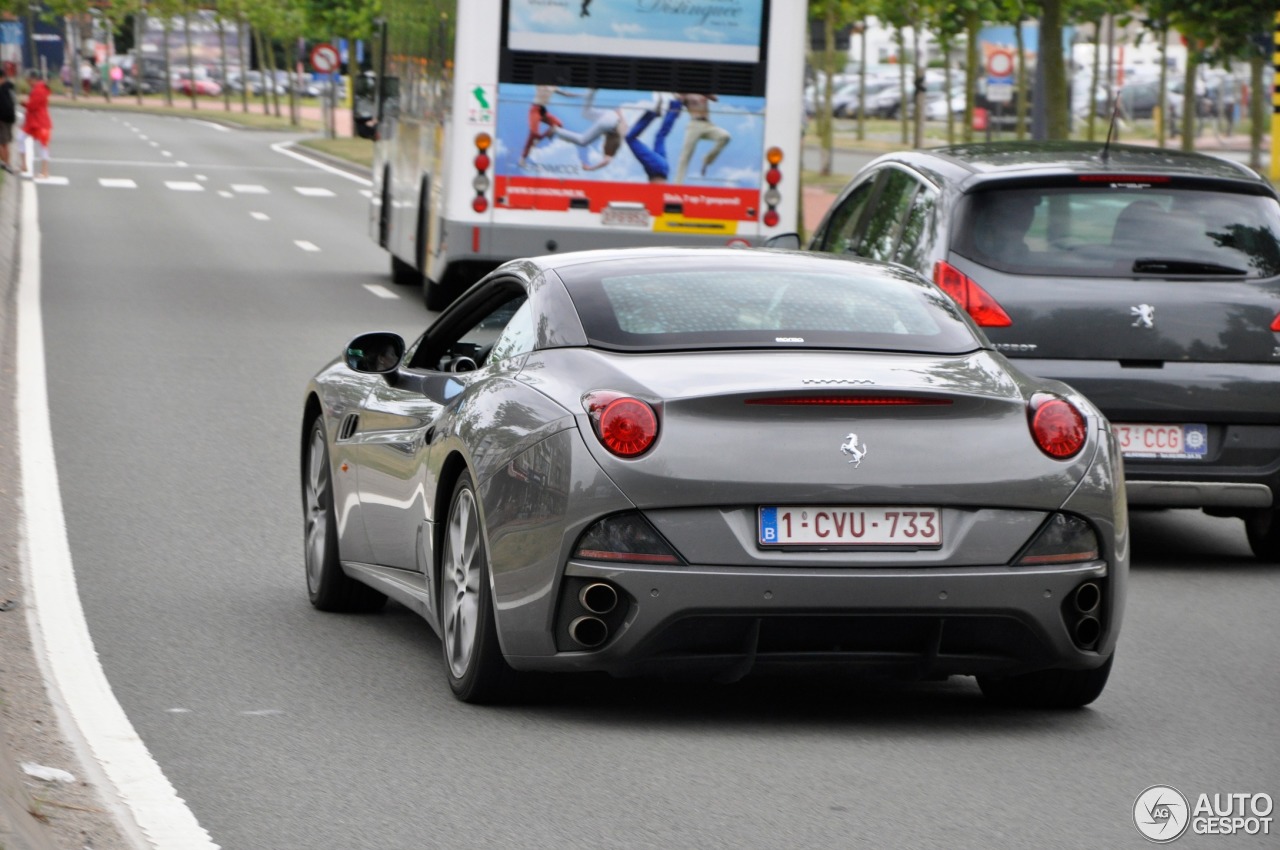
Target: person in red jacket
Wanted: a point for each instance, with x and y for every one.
(38, 125)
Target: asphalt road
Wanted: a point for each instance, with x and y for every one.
(181, 329)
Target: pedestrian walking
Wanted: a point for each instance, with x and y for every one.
(8, 116)
(38, 125)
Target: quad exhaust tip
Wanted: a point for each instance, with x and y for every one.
(598, 597)
(1088, 630)
(589, 631)
(1088, 597)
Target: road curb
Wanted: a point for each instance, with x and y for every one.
(19, 827)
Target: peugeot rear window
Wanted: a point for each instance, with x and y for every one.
(774, 301)
(1121, 229)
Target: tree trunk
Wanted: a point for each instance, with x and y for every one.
(1052, 66)
(1190, 103)
(242, 28)
(945, 43)
(191, 55)
(1020, 128)
(902, 82)
(973, 23)
(168, 66)
(1257, 109)
(1093, 80)
(1162, 126)
(222, 52)
(862, 86)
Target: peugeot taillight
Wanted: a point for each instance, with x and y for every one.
(625, 425)
(966, 292)
(1057, 427)
(1275, 323)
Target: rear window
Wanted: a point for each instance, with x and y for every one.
(792, 302)
(1121, 230)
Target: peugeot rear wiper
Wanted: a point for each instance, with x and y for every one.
(1151, 265)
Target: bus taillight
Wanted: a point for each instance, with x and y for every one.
(772, 197)
(481, 181)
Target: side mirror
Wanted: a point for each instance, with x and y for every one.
(375, 353)
(784, 242)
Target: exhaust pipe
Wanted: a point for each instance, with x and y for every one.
(589, 631)
(1088, 596)
(598, 598)
(1088, 630)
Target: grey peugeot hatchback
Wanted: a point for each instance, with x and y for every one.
(1147, 279)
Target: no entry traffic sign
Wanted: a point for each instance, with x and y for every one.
(324, 58)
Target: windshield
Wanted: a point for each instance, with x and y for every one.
(1122, 230)
(771, 302)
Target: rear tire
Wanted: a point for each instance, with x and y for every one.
(473, 659)
(1263, 528)
(1048, 688)
(328, 587)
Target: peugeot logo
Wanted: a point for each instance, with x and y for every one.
(1144, 316)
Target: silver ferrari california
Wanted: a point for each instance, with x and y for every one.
(713, 462)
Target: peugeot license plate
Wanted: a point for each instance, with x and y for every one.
(1164, 442)
(827, 525)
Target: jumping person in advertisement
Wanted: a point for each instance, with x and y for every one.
(700, 127)
(605, 122)
(585, 13)
(654, 159)
(539, 115)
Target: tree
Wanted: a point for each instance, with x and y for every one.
(833, 15)
(1053, 71)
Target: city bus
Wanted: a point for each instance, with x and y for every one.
(510, 128)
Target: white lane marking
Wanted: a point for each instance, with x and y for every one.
(202, 178)
(143, 137)
(283, 147)
(223, 193)
(367, 193)
(52, 181)
(210, 124)
(249, 189)
(165, 153)
(143, 801)
(313, 192)
(184, 186)
(305, 245)
(260, 216)
(180, 164)
(154, 144)
(117, 183)
(380, 290)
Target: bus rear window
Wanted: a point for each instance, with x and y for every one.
(1121, 231)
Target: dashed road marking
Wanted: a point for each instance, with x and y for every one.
(183, 186)
(380, 291)
(305, 245)
(249, 189)
(223, 193)
(51, 181)
(313, 192)
(117, 183)
(260, 216)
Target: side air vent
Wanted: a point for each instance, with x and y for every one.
(347, 429)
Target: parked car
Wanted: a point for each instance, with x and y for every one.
(717, 461)
(1147, 279)
(185, 81)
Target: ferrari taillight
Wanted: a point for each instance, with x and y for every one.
(966, 292)
(625, 425)
(1057, 427)
(1275, 323)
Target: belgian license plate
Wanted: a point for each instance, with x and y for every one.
(827, 525)
(625, 216)
(1164, 442)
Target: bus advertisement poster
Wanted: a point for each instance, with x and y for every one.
(560, 148)
(716, 30)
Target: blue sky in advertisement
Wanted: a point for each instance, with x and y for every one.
(725, 30)
(579, 129)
